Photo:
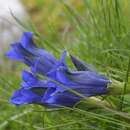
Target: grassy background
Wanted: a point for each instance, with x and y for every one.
(96, 31)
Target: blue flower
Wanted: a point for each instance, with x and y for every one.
(86, 79)
(42, 92)
(52, 94)
(61, 85)
(30, 80)
(25, 96)
(26, 51)
(57, 92)
(44, 97)
(39, 66)
(80, 65)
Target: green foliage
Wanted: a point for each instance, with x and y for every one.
(97, 32)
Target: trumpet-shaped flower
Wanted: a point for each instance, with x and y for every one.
(62, 86)
(27, 52)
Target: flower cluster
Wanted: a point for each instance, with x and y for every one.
(60, 86)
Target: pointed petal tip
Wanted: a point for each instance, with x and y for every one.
(27, 34)
(12, 55)
(14, 102)
(74, 59)
(15, 99)
(64, 54)
(27, 40)
(26, 75)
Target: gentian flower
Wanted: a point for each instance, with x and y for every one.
(39, 66)
(56, 94)
(86, 82)
(27, 52)
(85, 79)
(34, 91)
(62, 86)
(80, 65)
(44, 92)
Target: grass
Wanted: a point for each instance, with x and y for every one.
(97, 33)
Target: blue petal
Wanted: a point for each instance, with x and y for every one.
(26, 76)
(54, 71)
(63, 56)
(31, 81)
(62, 60)
(68, 98)
(88, 91)
(60, 99)
(48, 93)
(26, 51)
(13, 55)
(88, 77)
(27, 40)
(25, 96)
(42, 66)
(28, 44)
(17, 52)
(49, 66)
(62, 77)
(18, 48)
(73, 80)
(80, 65)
